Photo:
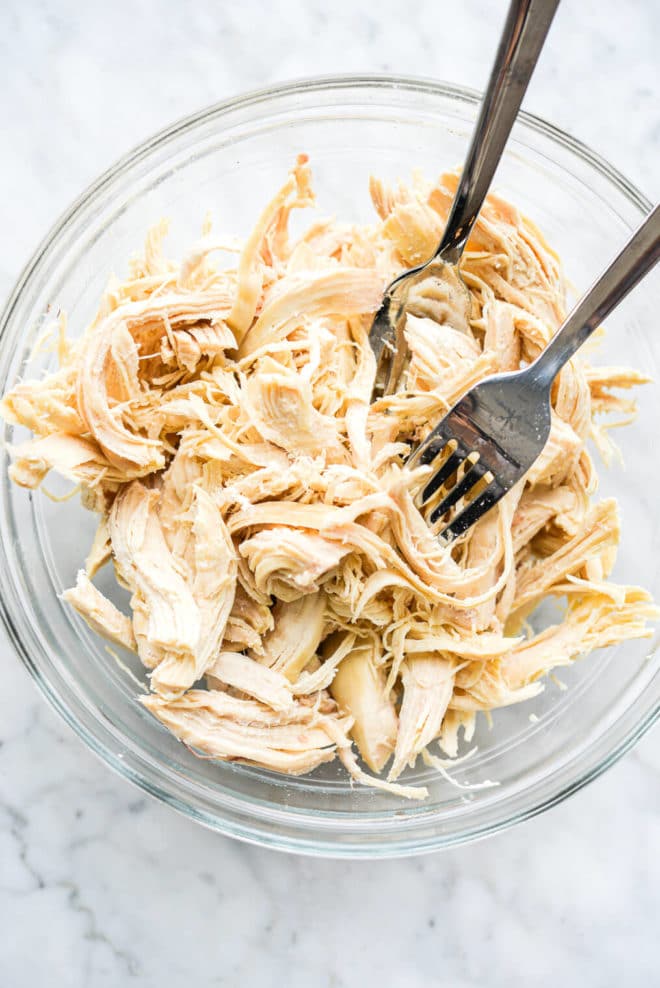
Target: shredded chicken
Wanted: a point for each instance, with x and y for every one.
(287, 598)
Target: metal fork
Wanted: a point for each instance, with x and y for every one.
(524, 33)
(494, 433)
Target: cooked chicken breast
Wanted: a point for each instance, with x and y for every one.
(288, 600)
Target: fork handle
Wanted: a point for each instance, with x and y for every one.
(525, 30)
(636, 259)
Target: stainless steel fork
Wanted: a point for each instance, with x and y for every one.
(493, 435)
(523, 35)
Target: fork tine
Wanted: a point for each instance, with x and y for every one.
(470, 478)
(384, 361)
(389, 346)
(383, 342)
(473, 512)
(450, 466)
(431, 447)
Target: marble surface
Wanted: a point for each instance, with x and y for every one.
(101, 886)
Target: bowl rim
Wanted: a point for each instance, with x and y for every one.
(304, 841)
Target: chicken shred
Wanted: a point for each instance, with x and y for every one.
(287, 598)
(359, 689)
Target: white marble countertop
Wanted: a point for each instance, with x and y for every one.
(99, 885)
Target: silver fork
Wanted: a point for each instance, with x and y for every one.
(523, 35)
(495, 432)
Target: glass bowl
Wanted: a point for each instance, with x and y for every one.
(229, 159)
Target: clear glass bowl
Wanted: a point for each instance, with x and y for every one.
(229, 159)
